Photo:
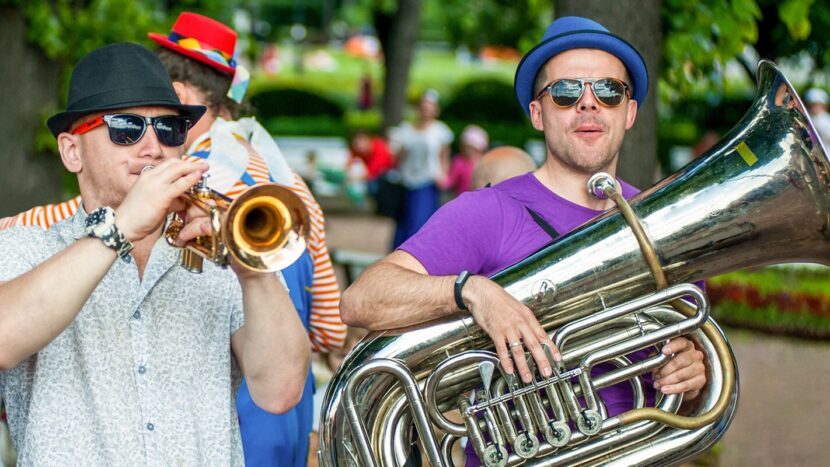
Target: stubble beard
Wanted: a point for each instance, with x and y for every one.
(583, 160)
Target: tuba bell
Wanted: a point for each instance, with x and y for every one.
(619, 283)
(265, 228)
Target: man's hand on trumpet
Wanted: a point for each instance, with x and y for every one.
(154, 195)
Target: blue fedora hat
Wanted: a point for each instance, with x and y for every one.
(574, 32)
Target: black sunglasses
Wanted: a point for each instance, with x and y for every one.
(126, 129)
(566, 92)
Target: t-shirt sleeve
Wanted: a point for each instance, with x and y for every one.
(15, 257)
(446, 134)
(459, 236)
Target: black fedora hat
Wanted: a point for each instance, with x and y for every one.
(118, 76)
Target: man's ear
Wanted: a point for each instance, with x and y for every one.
(182, 91)
(68, 146)
(631, 114)
(536, 115)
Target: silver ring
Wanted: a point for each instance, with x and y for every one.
(515, 344)
(146, 168)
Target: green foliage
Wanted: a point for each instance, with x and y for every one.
(309, 125)
(323, 125)
(476, 23)
(66, 31)
(794, 14)
(293, 103)
(701, 36)
(795, 27)
(789, 299)
(792, 278)
(484, 101)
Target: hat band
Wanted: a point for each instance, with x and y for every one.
(193, 44)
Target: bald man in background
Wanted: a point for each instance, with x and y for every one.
(501, 163)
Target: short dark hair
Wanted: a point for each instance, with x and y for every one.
(214, 84)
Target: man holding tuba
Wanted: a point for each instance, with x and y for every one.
(111, 353)
(581, 85)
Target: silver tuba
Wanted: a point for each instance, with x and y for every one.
(617, 284)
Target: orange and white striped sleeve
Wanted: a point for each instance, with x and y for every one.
(43, 216)
(328, 332)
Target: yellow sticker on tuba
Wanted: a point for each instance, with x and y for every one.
(746, 154)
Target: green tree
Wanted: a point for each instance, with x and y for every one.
(45, 38)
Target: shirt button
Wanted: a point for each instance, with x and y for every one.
(150, 427)
(142, 369)
(137, 315)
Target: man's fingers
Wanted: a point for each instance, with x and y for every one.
(541, 359)
(504, 356)
(193, 229)
(173, 169)
(517, 350)
(692, 385)
(677, 345)
(689, 373)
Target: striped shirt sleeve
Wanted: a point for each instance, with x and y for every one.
(328, 332)
(43, 216)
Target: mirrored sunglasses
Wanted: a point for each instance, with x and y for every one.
(126, 129)
(566, 92)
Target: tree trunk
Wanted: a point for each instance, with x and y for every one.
(31, 92)
(638, 23)
(397, 33)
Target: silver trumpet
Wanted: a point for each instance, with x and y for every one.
(617, 284)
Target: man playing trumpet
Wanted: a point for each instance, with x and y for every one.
(111, 353)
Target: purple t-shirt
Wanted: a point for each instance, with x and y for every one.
(485, 231)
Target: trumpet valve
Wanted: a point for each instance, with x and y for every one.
(191, 261)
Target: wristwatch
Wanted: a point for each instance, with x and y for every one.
(101, 224)
(459, 284)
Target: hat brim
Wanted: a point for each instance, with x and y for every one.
(534, 60)
(61, 122)
(163, 41)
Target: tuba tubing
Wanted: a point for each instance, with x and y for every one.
(760, 196)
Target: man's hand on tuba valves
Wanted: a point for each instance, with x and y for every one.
(512, 326)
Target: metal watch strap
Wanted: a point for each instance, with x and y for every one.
(459, 284)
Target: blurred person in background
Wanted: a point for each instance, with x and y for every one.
(817, 101)
(422, 150)
(499, 164)
(474, 142)
(373, 152)
(198, 55)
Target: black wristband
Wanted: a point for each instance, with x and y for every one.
(459, 283)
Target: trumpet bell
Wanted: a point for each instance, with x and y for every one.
(266, 228)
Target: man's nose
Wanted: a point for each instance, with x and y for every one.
(588, 101)
(150, 146)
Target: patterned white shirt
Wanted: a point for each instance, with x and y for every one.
(144, 375)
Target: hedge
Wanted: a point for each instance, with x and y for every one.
(791, 300)
(284, 102)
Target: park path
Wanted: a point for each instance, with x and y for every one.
(783, 416)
